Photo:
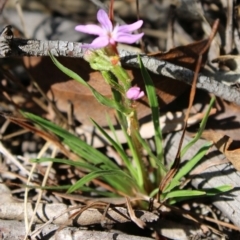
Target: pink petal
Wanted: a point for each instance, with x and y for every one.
(134, 93)
(130, 95)
(104, 20)
(141, 94)
(130, 27)
(98, 42)
(128, 38)
(89, 29)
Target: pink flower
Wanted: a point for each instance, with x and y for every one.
(134, 93)
(109, 35)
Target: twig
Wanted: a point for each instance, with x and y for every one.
(229, 27)
(9, 156)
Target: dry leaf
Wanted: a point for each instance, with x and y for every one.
(230, 148)
(185, 56)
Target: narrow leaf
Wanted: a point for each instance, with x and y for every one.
(96, 174)
(102, 99)
(188, 166)
(201, 128)
(183, 193)
(153, 102)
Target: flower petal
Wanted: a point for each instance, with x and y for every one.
(98, 42)
(141, 94)
(89, 29)
(128, 38)
(104, 20)
(134, 93)
(130, 27)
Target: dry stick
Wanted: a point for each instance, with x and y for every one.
(229, 27)
(4, 128)
(177, 160)
(43, 150)
(14, 160)
(197, 218)
(20, 13)
(15, 134)
(132, 215)
(170, 28)
(2, 4)
(105, 7)
(15, 47)
(54, 152)
(142, 45)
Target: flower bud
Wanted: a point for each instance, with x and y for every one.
(134, 93)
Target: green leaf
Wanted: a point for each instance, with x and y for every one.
(88, 154)
(119, 150)
(102, 99)
(183, 193)
(65, 187)
(150, 153)
(218, 190)
(102, 173)
(153, 103)
(174, 183)
(209, 193)
(201, 128)
(113, 130)
(188, 166)
(77, 145)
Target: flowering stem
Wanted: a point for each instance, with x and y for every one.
(109, 78)
(119, 75)
(107, 62)
(122, 75)
(136, 150)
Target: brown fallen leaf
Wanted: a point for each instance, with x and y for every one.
(226, 145)
(185, 56)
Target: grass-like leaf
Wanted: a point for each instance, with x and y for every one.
(218, 190)
(208, 193)
(150, 153)
(103, 174)
(201, 128)
(102, 99)
(77, 145)
(188, 166)
(119, 150)
(153, 103)
(183, 193)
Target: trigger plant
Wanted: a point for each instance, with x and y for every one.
(136, 177)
